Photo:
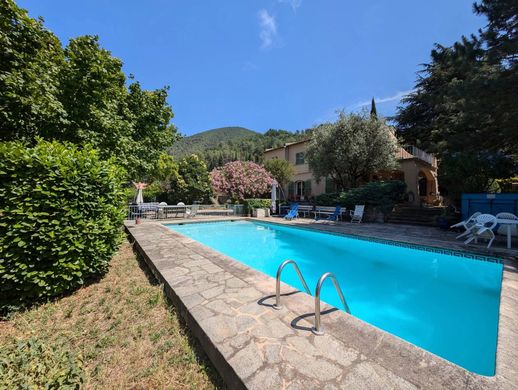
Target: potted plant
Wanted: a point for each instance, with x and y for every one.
(448, 217)
(258, 208)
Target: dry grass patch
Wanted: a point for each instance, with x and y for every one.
(121, 329)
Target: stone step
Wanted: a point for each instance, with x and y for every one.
(419, 211)
(414, 219)
(411, 222)
(411, 215)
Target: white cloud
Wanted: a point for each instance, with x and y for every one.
(294, 3)
(332, 114)
(268, 32)
(397, 96)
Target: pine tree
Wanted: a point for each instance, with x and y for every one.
(374, 113)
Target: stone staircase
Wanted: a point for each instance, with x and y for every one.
(414, 215)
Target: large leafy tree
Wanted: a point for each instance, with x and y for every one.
(94, 96)
(464, 107)
(472, 172)
(151, 131)
(192, 184)
(77, 94)
(31, 58)
(281, 170)
(351, 149)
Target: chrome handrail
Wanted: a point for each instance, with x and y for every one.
(277, 305)
(318, 329)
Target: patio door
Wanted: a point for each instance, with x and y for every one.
(299, 190)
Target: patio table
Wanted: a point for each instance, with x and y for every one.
(508, 223)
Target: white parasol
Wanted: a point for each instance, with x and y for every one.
(274, 196)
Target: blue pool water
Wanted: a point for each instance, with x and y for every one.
(445, 304)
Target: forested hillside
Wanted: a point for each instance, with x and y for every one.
(219, 146)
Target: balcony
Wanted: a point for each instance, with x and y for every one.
(414, 152)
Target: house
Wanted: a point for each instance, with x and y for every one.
(417, 169)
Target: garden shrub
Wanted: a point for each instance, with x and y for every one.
(153, 193)
(31, 364)
(379, 195)
(61, 213)
(251, 204)
(329, 199)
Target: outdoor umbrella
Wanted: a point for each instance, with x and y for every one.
(274, 196)
(139, 199)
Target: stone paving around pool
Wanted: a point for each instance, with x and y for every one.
(228, 307)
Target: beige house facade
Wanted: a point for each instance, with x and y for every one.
(417, 169)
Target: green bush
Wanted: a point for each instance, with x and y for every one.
(30, 364)
(329, 199)
(61, 214)
(251, 204)
(380, 195)
(154, 193)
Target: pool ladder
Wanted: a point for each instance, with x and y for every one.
(317, 329)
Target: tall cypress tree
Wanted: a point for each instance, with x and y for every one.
(374, 113)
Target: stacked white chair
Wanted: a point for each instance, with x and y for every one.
(467, 224)
(483, 228)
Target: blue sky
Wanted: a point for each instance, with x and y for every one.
(261, 64)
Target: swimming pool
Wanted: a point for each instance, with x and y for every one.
(444, 303)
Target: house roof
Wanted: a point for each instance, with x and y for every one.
(287, 145)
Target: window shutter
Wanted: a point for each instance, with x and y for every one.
(307, 188)
(291, 189)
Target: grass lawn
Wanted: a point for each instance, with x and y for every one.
(121, 329)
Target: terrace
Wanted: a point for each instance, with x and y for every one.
(410, 152)
(227, 305)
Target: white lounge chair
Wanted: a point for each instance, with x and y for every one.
(485, 223)
(502, 229)
(357, 213)
(467, 224)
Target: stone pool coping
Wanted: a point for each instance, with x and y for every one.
(227, 305)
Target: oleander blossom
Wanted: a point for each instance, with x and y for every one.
(241, 180)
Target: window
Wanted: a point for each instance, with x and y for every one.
(299, 158)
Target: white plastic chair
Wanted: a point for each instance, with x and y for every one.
(191, 213)
(467, 224)
(485, 223)
(357, 214)
(502, 229)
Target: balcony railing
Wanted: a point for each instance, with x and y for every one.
(414, 152)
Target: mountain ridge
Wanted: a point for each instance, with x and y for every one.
(221, 145)
(209, 139)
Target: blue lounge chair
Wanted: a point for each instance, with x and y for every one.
(332, 217)
(335, 215)
(293, 213)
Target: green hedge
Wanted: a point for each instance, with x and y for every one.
(381, 195)
(251, 204)
(61, 214)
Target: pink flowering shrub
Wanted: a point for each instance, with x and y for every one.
(241, 179)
